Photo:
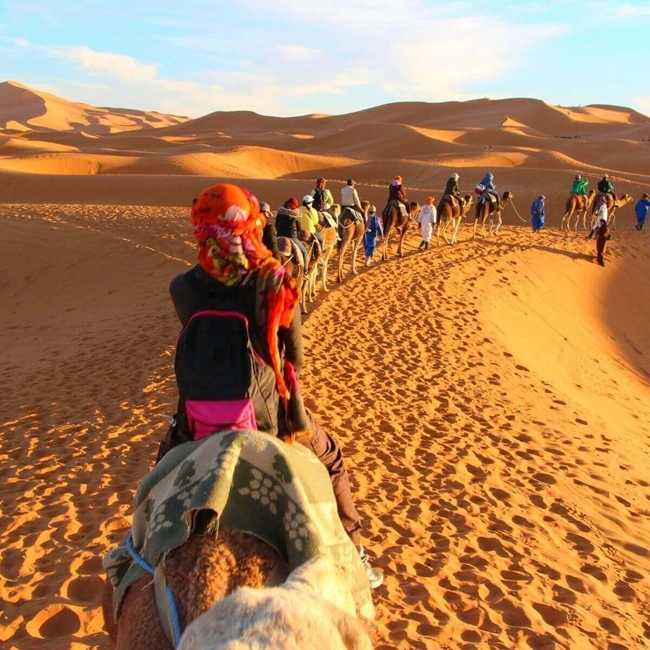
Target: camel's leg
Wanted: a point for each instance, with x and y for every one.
(444, 232)
(384, 253)
(475, 224)
(499, 222)
(355, 250)
(455, 227)
(485, 218)
(325, 265)
(400, 248)
(342, 251)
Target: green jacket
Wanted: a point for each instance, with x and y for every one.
(579, 186)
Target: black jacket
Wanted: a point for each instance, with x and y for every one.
(452, 187)
(396, 193)
(287, 223)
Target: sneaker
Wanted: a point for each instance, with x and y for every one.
(375, 576)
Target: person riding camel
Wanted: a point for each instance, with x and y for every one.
(452, 190)
(579, 186)
(350, 199)
(309, 221)
(605, 187)
(237, 278)
(397, 196)
(323, 199)
(287, 224)
(489, 190)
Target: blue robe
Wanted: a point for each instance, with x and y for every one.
(537, 214)
(373, 230)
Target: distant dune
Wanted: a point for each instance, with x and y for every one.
(529, 145)
(23, 109)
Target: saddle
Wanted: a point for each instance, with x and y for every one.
(394, 204)
(288, 248)
(311, 243)
(351, 212)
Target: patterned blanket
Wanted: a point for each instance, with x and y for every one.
(252, 482)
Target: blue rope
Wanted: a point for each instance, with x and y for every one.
(140, 561)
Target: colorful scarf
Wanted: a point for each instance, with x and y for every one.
(228, 227)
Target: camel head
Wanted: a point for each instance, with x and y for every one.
(469, 199)
(414, 207)
(507, 196)
(365, 206)
(622, 200)
(335, 210)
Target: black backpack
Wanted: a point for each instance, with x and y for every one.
(319, 201)
(223, 382)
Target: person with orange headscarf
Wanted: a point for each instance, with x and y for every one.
(427, 219)
(235, 269)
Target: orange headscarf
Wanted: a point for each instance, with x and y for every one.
(228, 228)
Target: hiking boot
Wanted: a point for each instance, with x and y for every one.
(375, 576)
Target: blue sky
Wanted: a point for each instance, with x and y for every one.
(292, 57)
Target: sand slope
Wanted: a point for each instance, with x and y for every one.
(492, 400)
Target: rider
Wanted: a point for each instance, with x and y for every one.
(397, 195)
(287, 224)
(323, 199)
(350, 198)
(225, 219)
(579, 186)
(490, 188)
(452, 189)
(309, 219)
(605, 186)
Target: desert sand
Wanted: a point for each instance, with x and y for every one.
(492, 397)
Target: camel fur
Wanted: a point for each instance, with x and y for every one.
(577, 204)
(450, 213)
(398, 222)
(351, 236)
(314, 608)
(201, 572)
(490, 209)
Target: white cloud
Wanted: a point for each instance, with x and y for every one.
(117, 65)
(295, 52)
(628, 9)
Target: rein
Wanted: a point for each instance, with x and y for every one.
(173, 609)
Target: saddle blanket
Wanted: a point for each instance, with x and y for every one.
(249, 481)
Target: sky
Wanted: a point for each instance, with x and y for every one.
(296, 57)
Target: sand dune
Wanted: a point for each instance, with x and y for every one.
(492, 399)
(24, 109)
(422, 142)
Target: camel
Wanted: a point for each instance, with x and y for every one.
(612, 205)
(218, 566)
(453, 214)
(327, 228)
(394, 220)
(490, 209)
(351, 235)
(187, 516)
(576, 204)
(294, 266)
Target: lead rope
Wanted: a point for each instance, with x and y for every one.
(140, 561)
(517, 213)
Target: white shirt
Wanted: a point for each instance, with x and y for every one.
(349, 197)
(602, 213)
(428, 214)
